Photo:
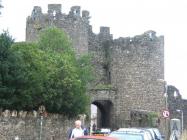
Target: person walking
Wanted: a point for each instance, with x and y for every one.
(77, 131)
(94, 127)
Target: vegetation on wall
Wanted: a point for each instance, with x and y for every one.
(152, 117)
(45, 73)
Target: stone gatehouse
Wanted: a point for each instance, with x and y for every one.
(127, 86)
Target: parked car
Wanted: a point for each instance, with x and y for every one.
(155, 133)
(158, 134)
(131, 134)
(102, 132)
(94, 138)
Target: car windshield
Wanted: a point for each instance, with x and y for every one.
(127, 136)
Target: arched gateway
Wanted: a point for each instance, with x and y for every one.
(104, 100)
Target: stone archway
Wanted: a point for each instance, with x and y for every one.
(104, 108)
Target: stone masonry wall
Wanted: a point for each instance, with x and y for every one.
(137, 64)
(30, 126)
(97, 49)
(185, 113)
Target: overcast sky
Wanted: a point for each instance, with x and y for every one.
(125, 18)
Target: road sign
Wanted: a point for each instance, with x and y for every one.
(165, 113)
(175, 125)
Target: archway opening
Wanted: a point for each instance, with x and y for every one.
(101, 113)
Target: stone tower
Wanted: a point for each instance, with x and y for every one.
(75, 25)
(127, 70)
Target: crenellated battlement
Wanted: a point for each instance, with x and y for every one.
(147, 38)
(75, 11)
(75, 24)
(104, 34)
(54, 12)
(54, 8)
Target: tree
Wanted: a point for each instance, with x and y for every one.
(45, 73)
(28, 74)
(5, 42)
(5, 92)
(67, 84)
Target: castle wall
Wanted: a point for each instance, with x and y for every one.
(30, 126)
(137, 64)
(136, 67)
(185, 114)
(97, 49)
(75, 25)
(133, 66)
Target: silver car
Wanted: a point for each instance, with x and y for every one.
(155, 133)
(131, 134)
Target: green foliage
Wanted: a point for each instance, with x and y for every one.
(55, 40)
(66, 87)
(5, 42)
(152, 116)
(5, 92)
(45, 73)
(85, 68)
(29, 71)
